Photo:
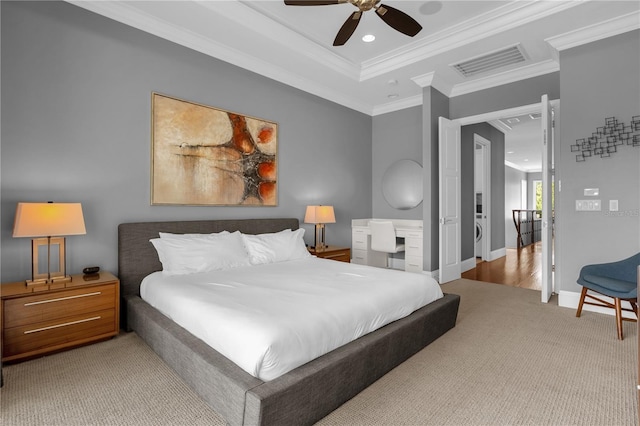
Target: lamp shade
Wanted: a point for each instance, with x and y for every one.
(319, 214)
(48, 220)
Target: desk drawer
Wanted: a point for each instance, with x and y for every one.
(413, 263)
(359, 257)
(57, 305)
(413, 244)
(58, 334)
(359, 239)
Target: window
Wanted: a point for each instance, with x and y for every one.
(537, 191)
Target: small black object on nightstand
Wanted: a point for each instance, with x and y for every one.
(91, 270)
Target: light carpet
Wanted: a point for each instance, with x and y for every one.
(510, 360)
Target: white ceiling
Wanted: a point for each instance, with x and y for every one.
(293, 44)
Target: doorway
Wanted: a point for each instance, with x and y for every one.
(547, 134)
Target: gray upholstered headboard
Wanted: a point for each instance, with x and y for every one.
(137, 257)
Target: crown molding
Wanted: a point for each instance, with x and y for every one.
(528, 71)
(130, 16)
(243, 14)
(595, 32)
(517, 74)
(511, 15)
(434, 80)
(522, 169)
(397, 105)
(504, 18)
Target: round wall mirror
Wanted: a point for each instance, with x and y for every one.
(402, 184)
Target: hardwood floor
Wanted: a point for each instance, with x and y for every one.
(519, 268)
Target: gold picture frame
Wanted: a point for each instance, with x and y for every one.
(205, 156)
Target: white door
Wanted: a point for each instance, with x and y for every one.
(449, 171)
(547, 219)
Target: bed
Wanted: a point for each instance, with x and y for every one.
(301, 396)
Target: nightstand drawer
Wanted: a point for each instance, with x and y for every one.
(56, 305)
(342, 255)
(58, 334)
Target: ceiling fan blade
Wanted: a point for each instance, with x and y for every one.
(398, 20)
(347, 29)
(312, 2)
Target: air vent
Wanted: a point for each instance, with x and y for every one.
(498, 59)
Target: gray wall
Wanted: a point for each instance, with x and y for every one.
(512, 201)
(396, 136)
(467, 221)
(76, 128)
(597, 80)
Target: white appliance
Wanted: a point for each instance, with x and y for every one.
(480, 228)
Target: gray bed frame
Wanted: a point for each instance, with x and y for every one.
(302, 396)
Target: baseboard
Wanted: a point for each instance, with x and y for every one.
(570, 299)
(497, 254)
(468, 264)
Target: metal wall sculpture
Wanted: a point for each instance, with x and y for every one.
(606, 139)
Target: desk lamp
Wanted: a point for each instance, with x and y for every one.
(49, 223)
(319, 215)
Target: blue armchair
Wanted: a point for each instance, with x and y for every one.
(617, 280)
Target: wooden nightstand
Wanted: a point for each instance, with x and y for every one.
(37, 320)
(342, 254)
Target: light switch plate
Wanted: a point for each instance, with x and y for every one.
(613, 205)
(588, 205)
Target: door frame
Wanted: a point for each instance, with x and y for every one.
(495, 115)
(486, 195)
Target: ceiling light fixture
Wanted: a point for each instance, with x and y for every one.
(368, 38)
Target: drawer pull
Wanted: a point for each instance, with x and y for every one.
(62, 325)
(331, 256)
(97, 293)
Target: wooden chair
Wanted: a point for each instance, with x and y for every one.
(617, 280)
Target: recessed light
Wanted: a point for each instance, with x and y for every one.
(510, 152)
(368, 38)
(526, 159)
(392, 82)
(392, 96)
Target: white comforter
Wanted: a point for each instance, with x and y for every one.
(272, 318)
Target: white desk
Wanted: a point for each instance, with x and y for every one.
(410, 230)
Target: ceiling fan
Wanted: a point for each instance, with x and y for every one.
(395, 18)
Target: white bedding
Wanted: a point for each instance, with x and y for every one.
(272, 318)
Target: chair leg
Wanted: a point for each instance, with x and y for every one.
(619, 317)
(582, 296)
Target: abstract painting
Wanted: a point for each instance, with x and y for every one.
(206, 156)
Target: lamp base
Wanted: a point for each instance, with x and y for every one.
(45, 281)
(42, 281)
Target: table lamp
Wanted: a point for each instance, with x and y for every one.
(48, 223)
(319, 215)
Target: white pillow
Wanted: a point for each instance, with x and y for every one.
(170, 235)
(276, 247)
(201, 254)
